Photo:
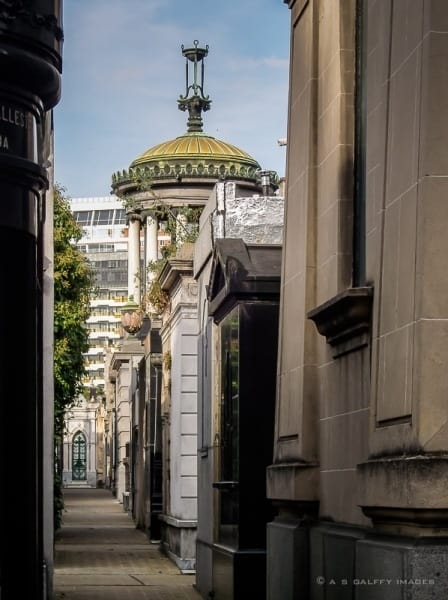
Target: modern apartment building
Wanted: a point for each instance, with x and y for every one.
(105, 243)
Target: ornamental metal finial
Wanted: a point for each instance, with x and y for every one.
(194, 99)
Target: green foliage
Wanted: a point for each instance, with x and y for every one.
(140, 190)
(73, 283)
(167, 361)
(181, 223)
(58, 500)
(155, 296)
(140, 182)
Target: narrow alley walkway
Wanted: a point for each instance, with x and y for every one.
(100, 555)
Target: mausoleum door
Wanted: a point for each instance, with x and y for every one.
(79, 458)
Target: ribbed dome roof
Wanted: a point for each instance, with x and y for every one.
(196, 155)
(197, 147)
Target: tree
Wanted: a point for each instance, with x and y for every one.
(73, 284)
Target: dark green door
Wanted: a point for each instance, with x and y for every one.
(79, 458)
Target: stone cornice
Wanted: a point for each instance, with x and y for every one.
(172, 270)
(178, 170)
(118, 358)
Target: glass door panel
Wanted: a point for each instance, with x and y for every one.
(79, 458)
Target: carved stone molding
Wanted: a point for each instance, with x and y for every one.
(345, 319)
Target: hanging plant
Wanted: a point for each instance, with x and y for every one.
(167, 360)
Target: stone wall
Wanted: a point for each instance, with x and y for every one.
(361, 444)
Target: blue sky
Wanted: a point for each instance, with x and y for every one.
(123, 71)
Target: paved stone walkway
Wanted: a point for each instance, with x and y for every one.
(100, 555)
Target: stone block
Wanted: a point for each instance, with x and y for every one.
(344, 440)
(189, 383)
(327, 280)
(405, 299)
(188, 487)
(407, 18)
(379, 20)
(287, 552)
(344, 385)
(189, 344)
(404, 127)
(389, 280)
(394, 390)
(188, 424)
(434, 112)
(339, 497)
(290, 401)
(427, 565)
(188, 466)
(335, 177)
(432, 248)
(337, 78)
(188, 402)
(381, 563)
(435, 16)
(327, 241)
(296, 221)
(188, 444)
(431, 384)
(332, 554)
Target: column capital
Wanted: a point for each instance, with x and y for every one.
(134, 216)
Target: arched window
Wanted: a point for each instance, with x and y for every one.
(79, 457)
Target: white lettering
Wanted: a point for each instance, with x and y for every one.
(13, 116)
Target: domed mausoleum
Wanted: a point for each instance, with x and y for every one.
(179, 173)
(185, 169)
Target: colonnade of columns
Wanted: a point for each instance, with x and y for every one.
(138, 277)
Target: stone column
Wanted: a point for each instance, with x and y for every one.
(134, 257)
(151, 246)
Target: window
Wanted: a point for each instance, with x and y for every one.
(120, 216)
(103, 217)
(94, 248)
(83, 217)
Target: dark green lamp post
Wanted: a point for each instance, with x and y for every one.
(30, 66)
(194, 99)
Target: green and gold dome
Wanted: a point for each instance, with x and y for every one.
(196, 154)
(193, 157)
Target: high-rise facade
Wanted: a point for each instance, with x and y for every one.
(105, 244)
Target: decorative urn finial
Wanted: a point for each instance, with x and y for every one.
(132, 316)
